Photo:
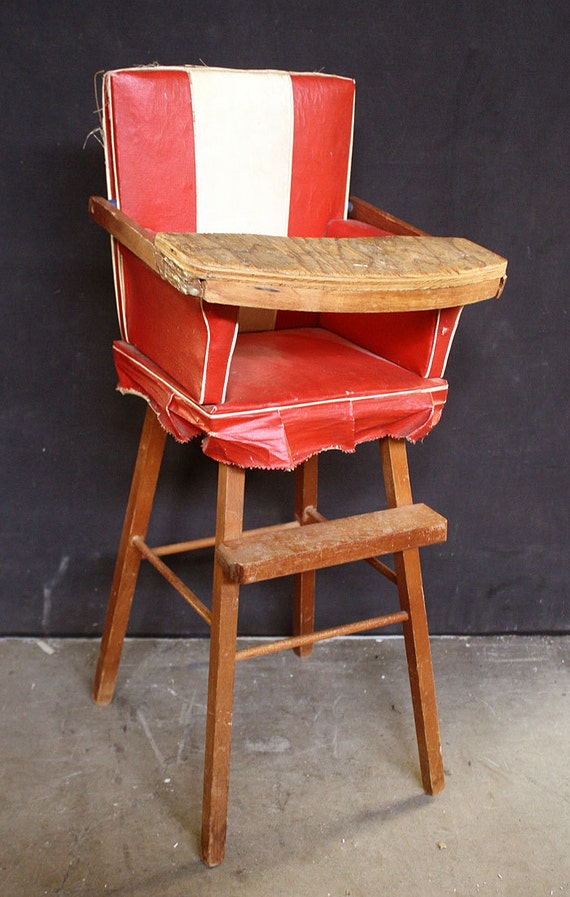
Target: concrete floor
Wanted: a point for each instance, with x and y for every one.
(325, 796)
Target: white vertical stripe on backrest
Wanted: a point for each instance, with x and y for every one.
(243, 136)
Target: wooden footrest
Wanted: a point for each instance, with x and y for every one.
(283, 552)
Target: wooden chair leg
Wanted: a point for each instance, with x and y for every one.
(225, 600)
(416, 635)
(306, 487)
(147, 467)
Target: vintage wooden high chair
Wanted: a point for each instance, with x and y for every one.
(255, 314)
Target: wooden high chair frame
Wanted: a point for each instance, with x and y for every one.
(309, 542)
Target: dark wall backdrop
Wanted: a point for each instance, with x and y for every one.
(462, 128)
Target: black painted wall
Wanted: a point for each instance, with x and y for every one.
(462, 127)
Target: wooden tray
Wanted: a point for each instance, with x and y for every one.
(372, 274)
(364, 274)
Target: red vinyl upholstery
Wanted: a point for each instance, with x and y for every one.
(269, 399)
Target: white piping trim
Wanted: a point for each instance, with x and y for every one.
(107, 138)
(451, 338)
(120, 289)
(206, 353)
(229, 364)
(434, 343)
(186, 68)
(337, 401)
(287, 208)
(110, 144)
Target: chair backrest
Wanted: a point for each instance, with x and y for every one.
(229, 151)
(218, 150)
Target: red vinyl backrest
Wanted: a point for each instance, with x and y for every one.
(152, 143)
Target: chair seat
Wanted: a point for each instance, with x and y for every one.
(291, 394)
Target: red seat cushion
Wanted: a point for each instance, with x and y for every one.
(290, 394)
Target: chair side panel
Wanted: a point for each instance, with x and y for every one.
(405, 338)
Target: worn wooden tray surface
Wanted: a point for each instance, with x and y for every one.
(386, 264)
(367, 262)
(294, 267)
(375, 274)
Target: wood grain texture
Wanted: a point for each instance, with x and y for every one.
(138, 239)
(406, 272)
(141, 497)
(416, 634)
(398, 273)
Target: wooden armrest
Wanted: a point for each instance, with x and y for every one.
(369, 214)
(138, 239)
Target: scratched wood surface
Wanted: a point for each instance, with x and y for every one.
(331, 542)
(399, 273)
(336, 274)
